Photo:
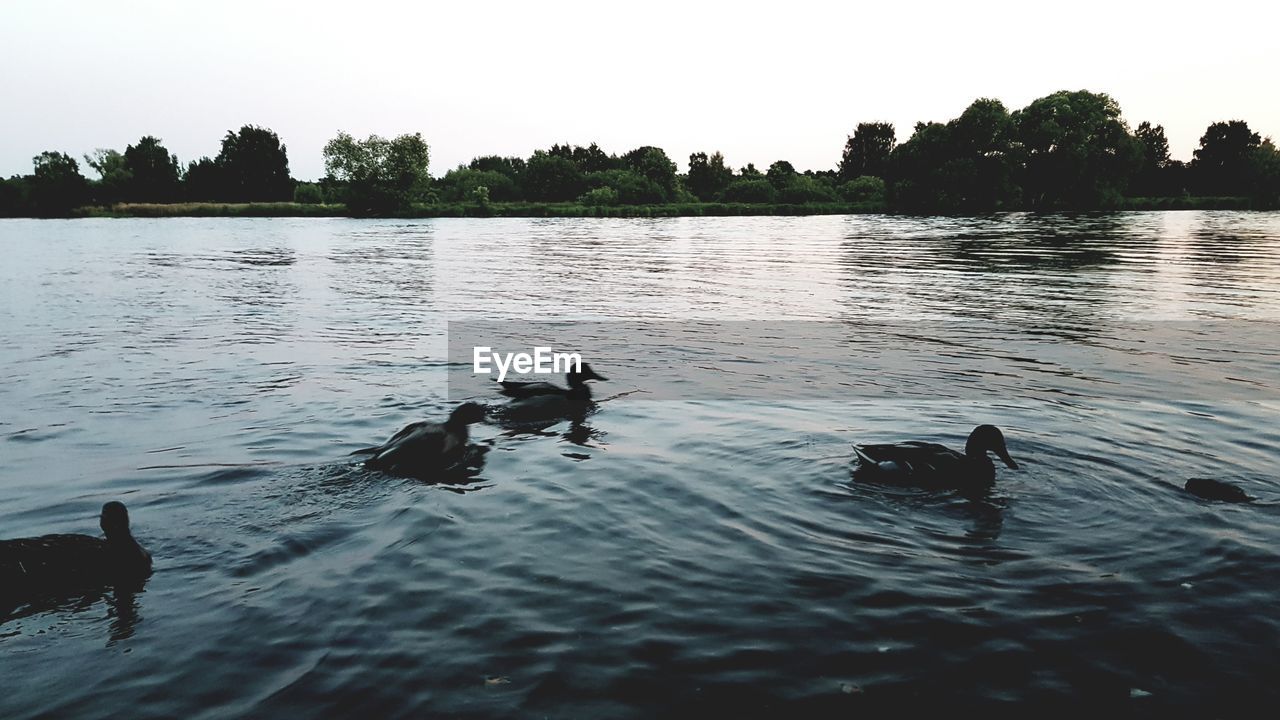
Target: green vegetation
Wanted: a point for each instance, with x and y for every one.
(1067, 150)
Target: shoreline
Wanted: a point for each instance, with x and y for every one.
(578, 210)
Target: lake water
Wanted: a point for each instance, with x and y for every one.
(691, 546)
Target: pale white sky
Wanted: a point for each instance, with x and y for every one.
(757, 81)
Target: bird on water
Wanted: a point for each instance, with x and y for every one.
(54, 562)
(933, 465)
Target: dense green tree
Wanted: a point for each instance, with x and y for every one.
(708, 175)
(867, 151)
(969, 164)
(653, 163)
(379, 175)
(56, 186)
(1157, 176)
(1078, 152)
(153, 171)
(461, 183)
(204, 182)
(308, 193)
(552, 178)
(751, 189)
(866, 189)
(800, 189)
(1221, 163)
(749, 172)
(512, 167)
(630, 187)
(13, 196)
(780, 173)
(114, 178)
(1264, 174)
(255, 166)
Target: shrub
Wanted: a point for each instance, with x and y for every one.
(864, 189)
(750, 191)
(308, 194)
(599, 197)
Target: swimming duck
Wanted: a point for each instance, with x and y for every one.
(932, 465)
(1211, 489)
(577, 390)
(426, 446)
(52, 562)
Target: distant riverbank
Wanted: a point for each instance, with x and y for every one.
(537, 209)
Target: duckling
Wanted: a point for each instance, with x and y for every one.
(1211, 489)
(577, 390)
(426, 446)
(932, 465)
(53, 562)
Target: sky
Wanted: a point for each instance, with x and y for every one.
(757, 81)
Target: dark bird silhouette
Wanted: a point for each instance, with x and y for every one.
(30, 566)
(932, 465)
(1210, 489)
(425, 447)
(577, 390)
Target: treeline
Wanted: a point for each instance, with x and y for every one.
(1065, 150)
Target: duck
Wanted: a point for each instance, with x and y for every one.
(422, 447)
(1211, 489)
(576, 379)
(933, 465)
(51, 562)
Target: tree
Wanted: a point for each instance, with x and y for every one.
(752, 189)
(1264, 174)
(969, 164)
(1221, 163)
(205, 182)
(154, 175)
(379, 175)
(512, 167)
(866, 152)
(629, 187)
(708, 176)
(780, 173)
(254, 166)
(113, 177)
(552, 178)
(1079, 153)
(56, 187)
(653, 163)
(461, 183)
(1155, 176)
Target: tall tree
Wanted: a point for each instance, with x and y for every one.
(1079, 152)
(552, 178)
(379, 175)
(1156, 176)
(153, 171)
(113, 177)
(866, 152)
(255, 166)
(652, 163)
(1221, 163)
(708, 175)
(56, 187)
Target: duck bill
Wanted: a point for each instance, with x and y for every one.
(1008, 461)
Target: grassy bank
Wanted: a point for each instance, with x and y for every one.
(534, 209)
(505, 209)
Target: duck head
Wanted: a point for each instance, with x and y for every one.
(583, 374)
(468, 413)
(114, 520)
(985, 439)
